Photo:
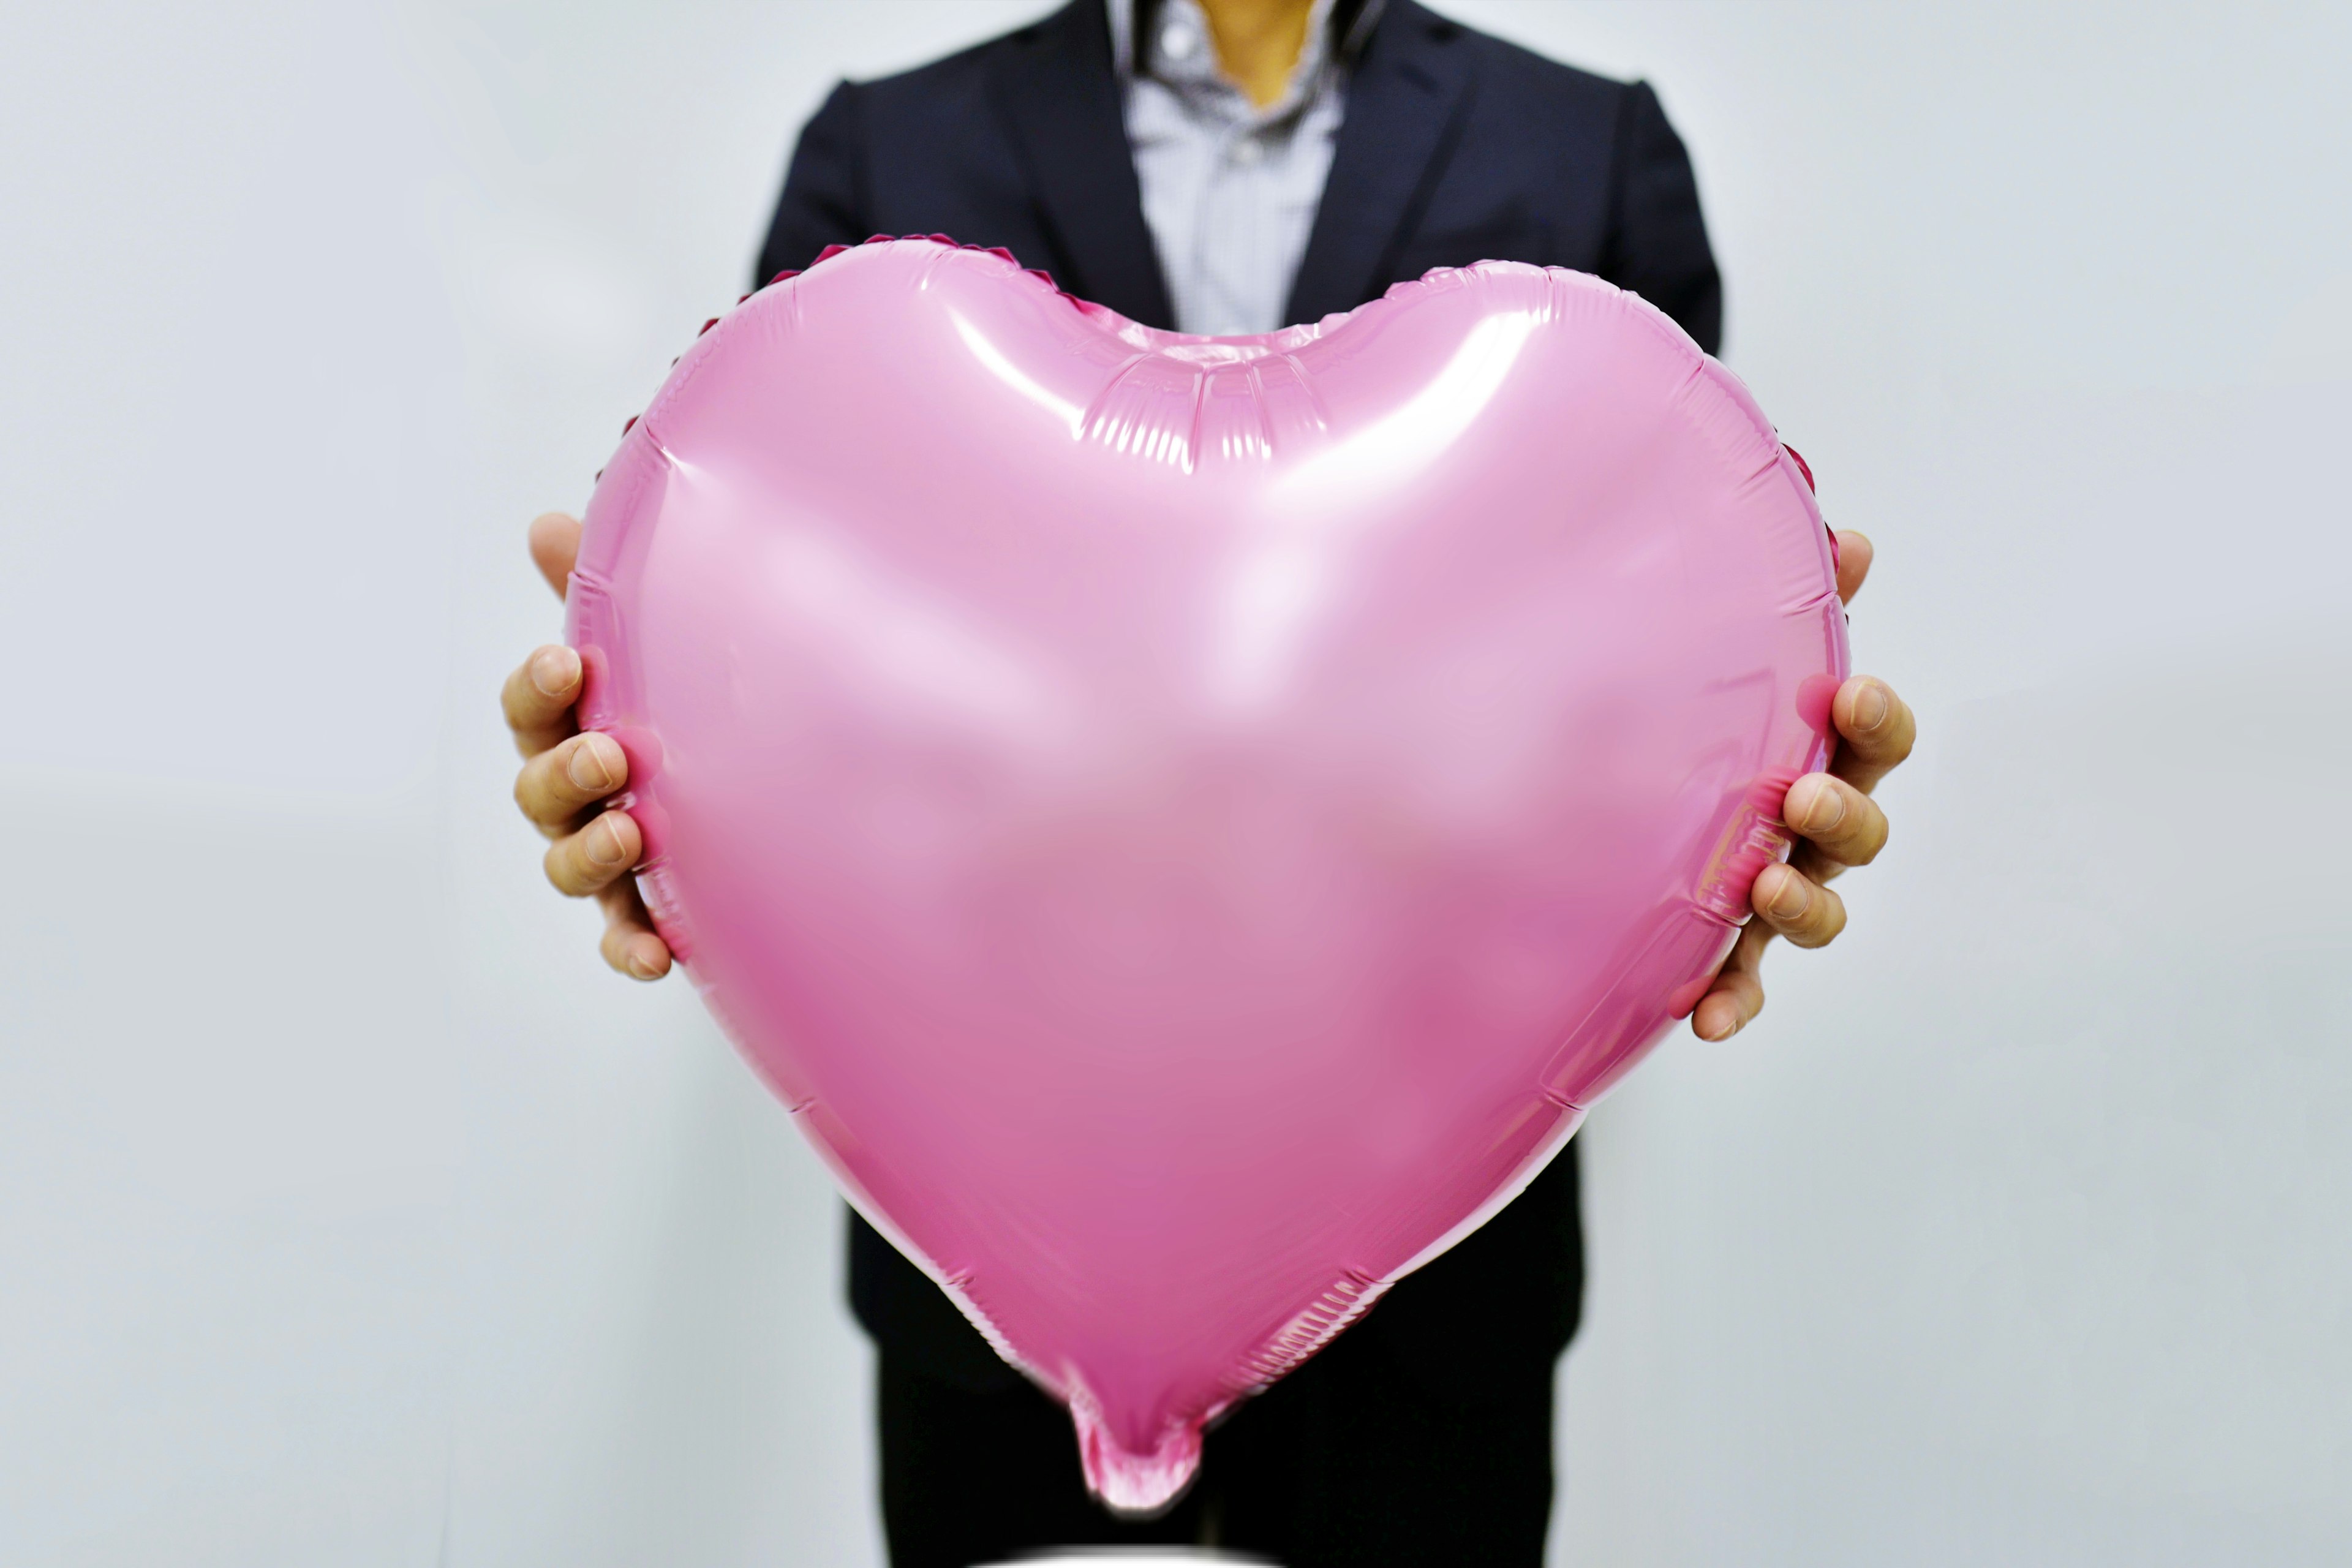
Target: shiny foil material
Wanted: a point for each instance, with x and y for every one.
(1189, 825)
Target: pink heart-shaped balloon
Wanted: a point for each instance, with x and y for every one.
(1189, 825)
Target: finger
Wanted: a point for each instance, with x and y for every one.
(556, 547)
(1737, 993)
(1795, 906)
(1854, 552)
(1817, 867)
(1840, 821)
(564, 780)
(539, 698)
(583, 862)
(1876, 729)
(631, 944)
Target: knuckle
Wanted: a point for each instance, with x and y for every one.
(539, 793)
(1828, 919)
(1861, 843)
(583, 862)
(1896, 736)
(515, 703)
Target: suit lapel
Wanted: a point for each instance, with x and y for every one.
(1405, 101)
(1060, 95)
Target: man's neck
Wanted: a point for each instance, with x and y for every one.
(1258, 43)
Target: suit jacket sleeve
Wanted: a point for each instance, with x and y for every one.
(1657, 240)
(824, 200)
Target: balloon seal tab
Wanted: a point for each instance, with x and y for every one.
(1136, 1485)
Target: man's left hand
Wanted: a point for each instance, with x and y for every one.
(1837, 825)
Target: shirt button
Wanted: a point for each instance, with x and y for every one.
(1248, 151)
(1178, 41)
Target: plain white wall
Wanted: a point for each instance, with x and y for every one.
(351, 1212)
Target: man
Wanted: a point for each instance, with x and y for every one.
(1227, 166)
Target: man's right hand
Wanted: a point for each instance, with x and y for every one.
(566, 777)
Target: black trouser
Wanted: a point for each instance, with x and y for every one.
(1348, 1461)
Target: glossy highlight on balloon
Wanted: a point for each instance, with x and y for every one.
(1190, 824)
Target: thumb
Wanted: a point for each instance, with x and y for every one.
(555, 546)
(1853, 557)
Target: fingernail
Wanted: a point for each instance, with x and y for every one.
(1824, 811)
(1788, 900)
(587, 768)
(1871, 707)
(604, 842)
(642, 967)
(553, 671)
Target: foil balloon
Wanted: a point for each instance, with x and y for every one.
(1189, 825)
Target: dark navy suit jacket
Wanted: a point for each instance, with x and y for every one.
(1456, 147)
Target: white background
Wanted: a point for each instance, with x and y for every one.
(351, 1213)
